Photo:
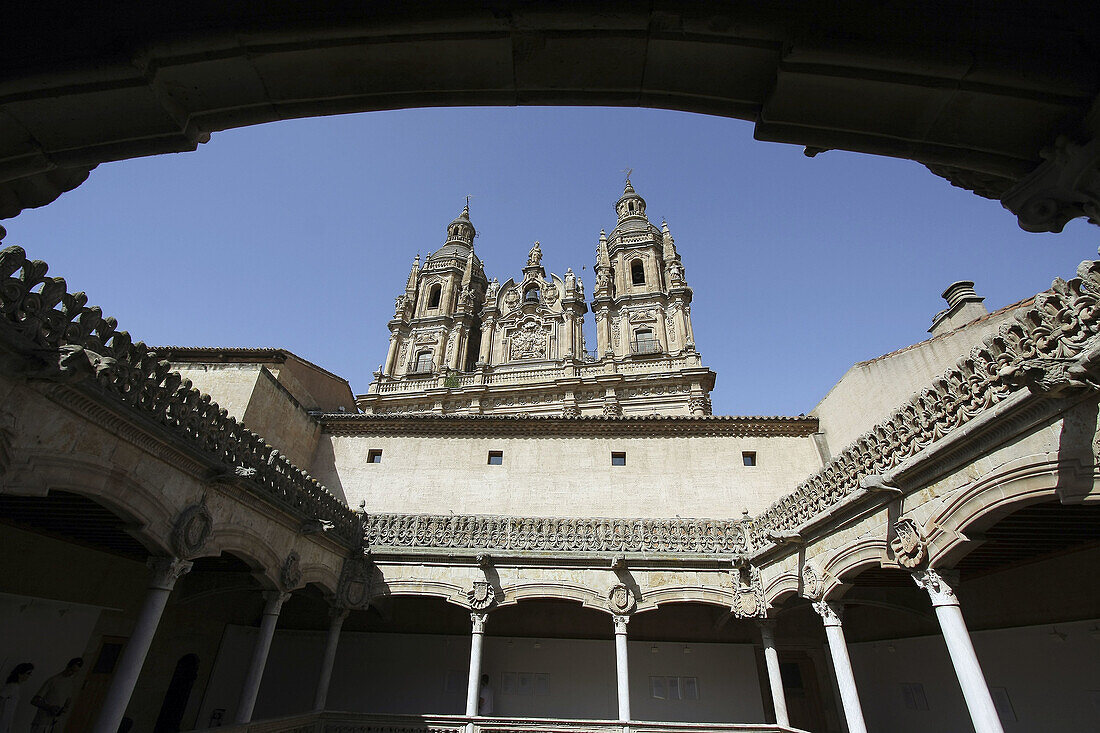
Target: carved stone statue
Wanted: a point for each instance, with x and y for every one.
(491, 292)
(570, 280)
(534, 257)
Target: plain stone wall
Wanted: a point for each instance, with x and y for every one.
(572, 477)
(1052, 684)
(251, 394)
(871, 390)
(408, 673)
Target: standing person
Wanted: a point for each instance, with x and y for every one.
(485, 697)
(9, 694)
(52, 699)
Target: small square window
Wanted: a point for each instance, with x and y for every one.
(748, 457)
(618, 458)
(374, 455)
(496, 458)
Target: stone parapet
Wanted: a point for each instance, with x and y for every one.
(62, 339)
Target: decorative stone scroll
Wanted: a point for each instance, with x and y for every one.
(473, 532)
(621, 600)
(192, 530)
(908, 543)
(73, 343)
(1061, 324)
(482, 596)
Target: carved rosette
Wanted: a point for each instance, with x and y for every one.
(290, 574)
(748, 593)
(192, 530)
(482, 596)
(813, 582)
(908, 543)
(621, 600)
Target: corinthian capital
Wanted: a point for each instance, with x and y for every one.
(1064, 187)
(938, 589)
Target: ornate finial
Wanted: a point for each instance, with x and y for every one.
(628, 172)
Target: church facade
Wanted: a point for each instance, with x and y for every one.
(518, 529)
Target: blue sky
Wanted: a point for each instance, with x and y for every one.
(299, 234)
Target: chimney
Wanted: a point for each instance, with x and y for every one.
(963, 306)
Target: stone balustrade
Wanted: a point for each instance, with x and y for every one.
(1049, 347)
(520, 374)
(339, 722)
(474, 532)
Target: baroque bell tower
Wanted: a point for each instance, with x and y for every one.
(435, 326)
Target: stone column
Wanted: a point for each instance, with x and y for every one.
(974, 688)
(391, 355)
(336, 615)
(568, 339)
(689, 332)
(275, 600)
(842, 665)
(486, 341)
(622, 671)
(775, 681)
(473, 686)
(166, 571)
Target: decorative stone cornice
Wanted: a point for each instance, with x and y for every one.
(1061, 324)
(477, 532)
(69, 342)
(732, 426)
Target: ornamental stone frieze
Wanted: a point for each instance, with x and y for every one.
(695, 536)
(1059, 328)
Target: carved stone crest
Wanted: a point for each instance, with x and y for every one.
(482, 596)
(907, 543)
(511, 299)
(528, 342)
(290, 575)
(748, 593)
(621, 600)
(355, 582)
(192, 530)
(813, 582)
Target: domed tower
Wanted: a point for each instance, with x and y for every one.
(642, 303)
(435, 326)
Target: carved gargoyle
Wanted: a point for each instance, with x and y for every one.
(1049, 376)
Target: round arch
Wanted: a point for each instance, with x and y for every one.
(148, 516)
(148, 81)
(1013, 485)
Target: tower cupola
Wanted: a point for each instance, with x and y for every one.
(630, 204)
(461, 229)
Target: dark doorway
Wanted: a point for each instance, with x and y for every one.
(179, 692)
(801, 691)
